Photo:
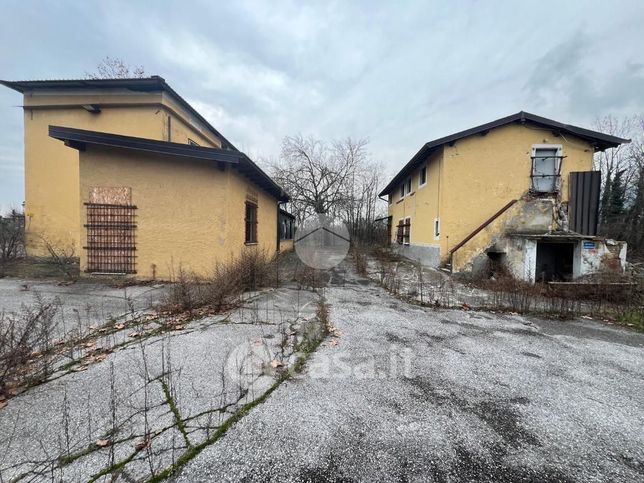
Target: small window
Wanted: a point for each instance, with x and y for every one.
(192, 143)
(390, 198)
(402, 191)
(422, 179)
(251, 223)
(408, 188)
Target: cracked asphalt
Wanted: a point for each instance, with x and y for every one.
(415, 394)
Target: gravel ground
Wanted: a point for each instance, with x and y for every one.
(415, 394)
(200, 365)
(81, 305)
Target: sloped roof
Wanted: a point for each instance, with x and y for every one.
(153, 83)
(79, 138)
(599, 140)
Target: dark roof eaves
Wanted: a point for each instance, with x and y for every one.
(136, 83)
(143, 144)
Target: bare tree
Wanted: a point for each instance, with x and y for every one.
(115, 68)
(622, 200)
(336, 179)
(634, 233)
(615, 160)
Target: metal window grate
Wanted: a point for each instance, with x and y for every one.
(111, 246)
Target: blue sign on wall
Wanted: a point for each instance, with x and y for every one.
(589, 245)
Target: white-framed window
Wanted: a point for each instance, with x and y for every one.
(402, 191)
(422, 176)
(408, 184)
(546, 167)
(437, 228)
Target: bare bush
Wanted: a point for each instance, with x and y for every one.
(251, 271)
(63, 258)
(25, 342)
(12, 238)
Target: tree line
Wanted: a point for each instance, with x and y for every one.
(622, 196)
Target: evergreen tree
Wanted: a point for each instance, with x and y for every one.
(617, 197)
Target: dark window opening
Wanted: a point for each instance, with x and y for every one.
(251, 223)
(554, 261)
(111, 246)
(423, 176)
(286, 229)
(402, 190)
(408, 188)
(495, 266)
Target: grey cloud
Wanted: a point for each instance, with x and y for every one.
(399, 74)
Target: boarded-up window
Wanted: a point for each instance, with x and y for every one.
(546, 166)
(251, 223)
(111, 227)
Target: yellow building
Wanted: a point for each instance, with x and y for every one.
(130, 176)
(518, 191)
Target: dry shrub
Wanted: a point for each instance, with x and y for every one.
(12, 238)
(251, 271)
(25, 343)
(310, 278)
(360, 258)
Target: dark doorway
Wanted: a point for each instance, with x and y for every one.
(554, 261)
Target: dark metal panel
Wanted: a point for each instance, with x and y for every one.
(584, 201)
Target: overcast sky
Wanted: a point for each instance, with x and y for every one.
(398, 73)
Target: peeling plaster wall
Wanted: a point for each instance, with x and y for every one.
(526, 216)
(606, 256)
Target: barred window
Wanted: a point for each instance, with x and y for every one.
(251, 223)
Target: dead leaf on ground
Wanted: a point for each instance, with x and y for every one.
(102, 443)
(178, 327)
(275, 363)
(134, 334)
(3, 404)
(79, 368)
(144, 443)
(119, 326)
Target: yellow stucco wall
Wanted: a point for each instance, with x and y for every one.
(475, 178)
(422, 205)
(190, 214)
(51, 169)
(286, 245)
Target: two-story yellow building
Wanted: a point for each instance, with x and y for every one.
(519, 191)
(128, 176)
